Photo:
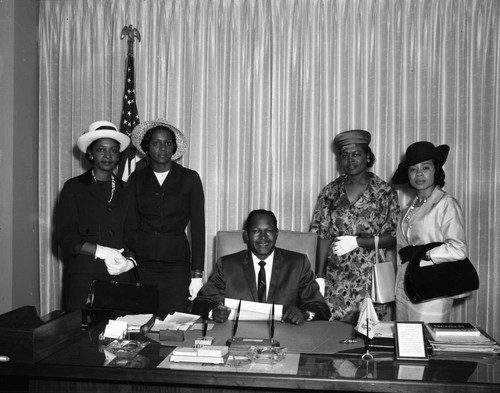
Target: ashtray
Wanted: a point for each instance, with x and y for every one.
(238, 361)
(137, 361)
(269, 355)
(125, 348)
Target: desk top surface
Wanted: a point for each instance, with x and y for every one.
(321, 362)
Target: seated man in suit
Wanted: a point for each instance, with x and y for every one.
(288, 278)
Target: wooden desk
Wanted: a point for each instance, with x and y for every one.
(80, 368)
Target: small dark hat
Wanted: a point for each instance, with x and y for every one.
(351, 137)
(419, 152)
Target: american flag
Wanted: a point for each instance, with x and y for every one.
(129, 119)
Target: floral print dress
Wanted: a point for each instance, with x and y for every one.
(375, 212)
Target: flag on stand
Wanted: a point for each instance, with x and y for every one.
(368, 319)
(129, 119)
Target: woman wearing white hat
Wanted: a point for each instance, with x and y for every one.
(166, 198)
(91, 214)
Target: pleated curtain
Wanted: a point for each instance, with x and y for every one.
(261, 87)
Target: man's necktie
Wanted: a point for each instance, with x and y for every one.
(261, 290)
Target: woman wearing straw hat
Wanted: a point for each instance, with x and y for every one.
(432, 216)
(166, 197)
(351, 213)
(90, 216)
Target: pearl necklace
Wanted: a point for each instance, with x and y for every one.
(409, 214)
(113, 186)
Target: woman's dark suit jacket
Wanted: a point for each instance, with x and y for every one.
(84, 215)
(159, 215)
(292, 282)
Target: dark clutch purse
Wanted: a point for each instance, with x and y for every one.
(119, 296)
(438, 280)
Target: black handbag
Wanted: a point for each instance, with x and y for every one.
(120, 296)
(438, 280)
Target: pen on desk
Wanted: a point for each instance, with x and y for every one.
(367, 355)
(205, 327)
(235, 325)
(272, 324)
(367, 343)
(148, 325)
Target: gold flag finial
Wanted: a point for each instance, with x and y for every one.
(131, 33)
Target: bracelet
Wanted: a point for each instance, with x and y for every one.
(428, 257)
(198, 274)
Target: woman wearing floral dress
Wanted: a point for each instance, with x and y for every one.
(350, 213)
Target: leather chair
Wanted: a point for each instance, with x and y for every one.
(229, 242)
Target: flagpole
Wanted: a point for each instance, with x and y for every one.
(129, 116)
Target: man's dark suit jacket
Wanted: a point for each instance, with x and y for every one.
(292, 282)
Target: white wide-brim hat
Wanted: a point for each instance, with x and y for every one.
(102, 129)
(142, 128)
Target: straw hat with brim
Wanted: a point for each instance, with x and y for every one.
(420, 152)
(349, 138)
(142, 128)
(102, 129)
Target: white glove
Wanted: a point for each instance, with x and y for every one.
(424, 263)
(119, 266)
(345, 244)
(115, 262)
(107, 253)
(321, 283)
(194, 287)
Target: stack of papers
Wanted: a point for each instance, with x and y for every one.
(385, 329)
(453, 329)
(115, 329)
(208, 354)
(135, 321)
(465, 342)
(177, 321)
(253, 311)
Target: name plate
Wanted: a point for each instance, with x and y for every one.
(247, 342)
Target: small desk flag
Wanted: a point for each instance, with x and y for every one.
(368, 319)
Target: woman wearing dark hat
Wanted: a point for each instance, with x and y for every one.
(165, 198)
(432, 216)
(352, 213)
(90, 216)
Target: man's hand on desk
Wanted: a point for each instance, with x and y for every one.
(220, 313)
(294, 315)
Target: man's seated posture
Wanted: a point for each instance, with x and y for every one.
(285, 276)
